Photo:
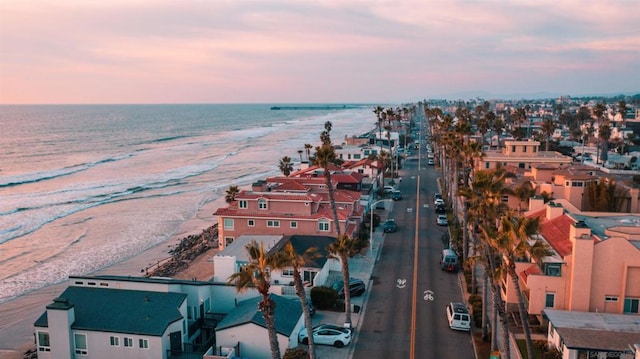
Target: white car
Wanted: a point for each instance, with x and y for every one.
(441, 220)
(438, 202)
(430, 162)
(458, 316)
(327, 334)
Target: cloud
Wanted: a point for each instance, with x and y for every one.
(311, 51)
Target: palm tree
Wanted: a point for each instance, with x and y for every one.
(342, 249)
(384, 159)
(324, 157)
(256, 275)
(512, 243)
(379, 111)
(288, 258)
(307, 148)
(598, 111)
(548, 127)
(524, 191)
(300, 154)
(285, 165)
(231, 194)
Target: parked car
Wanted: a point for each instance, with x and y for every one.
(439, 202)
(396, 195)
(327, 334)
(390, 226)
(430, 162)
(440, 209)
(389, 189)
(356, 287)
(458, 316)
(449, 260)
(436, 197)
(441, 220)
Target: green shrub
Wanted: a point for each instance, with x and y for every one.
(296, 353)
(323, 297)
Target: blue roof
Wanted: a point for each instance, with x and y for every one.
(287, 313)
(119, 310)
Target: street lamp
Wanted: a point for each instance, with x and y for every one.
(371, 209)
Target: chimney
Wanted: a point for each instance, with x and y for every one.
(536, 203)
(554, 210)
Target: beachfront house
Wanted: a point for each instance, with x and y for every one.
(289, 206)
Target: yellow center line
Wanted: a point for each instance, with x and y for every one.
(414, 299)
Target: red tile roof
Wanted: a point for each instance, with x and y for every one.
(556, 231)
(533, 269)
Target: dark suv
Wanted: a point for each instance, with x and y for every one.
(356, 287)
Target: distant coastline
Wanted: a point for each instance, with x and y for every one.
(319, 107)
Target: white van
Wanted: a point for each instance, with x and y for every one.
(458, 316)
(449, 260)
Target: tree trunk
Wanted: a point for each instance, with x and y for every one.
(523, 312)
(297, 282)
(485, 307)
(503, 319)
(332, 201)
(347, 296)
(267, 307)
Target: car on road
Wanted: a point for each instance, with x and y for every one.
(389, 226)
(356, 287)
(441, 220)
(436, 197)
(430, 162)
(389, 189)
(440, 209)
(438, 202)
(458, 316)
(327, 334)
(396, 195)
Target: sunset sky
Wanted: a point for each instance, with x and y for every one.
(311, 51)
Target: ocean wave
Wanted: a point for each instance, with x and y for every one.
(35, 177)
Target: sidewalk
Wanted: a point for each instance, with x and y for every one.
(361, 267)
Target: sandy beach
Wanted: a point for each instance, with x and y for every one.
(17, 316)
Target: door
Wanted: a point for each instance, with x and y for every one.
(175, 340)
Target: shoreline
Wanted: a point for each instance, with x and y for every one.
(18, 314)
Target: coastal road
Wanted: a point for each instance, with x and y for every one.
(405, 315)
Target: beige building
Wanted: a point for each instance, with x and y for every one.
(521, 154)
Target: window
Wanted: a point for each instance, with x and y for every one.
(228, 240)
(576, 184)
(610, 298)
(251, 223)
(323, 226)
(143, 343)
(80, 341)
(631, 305)
(262, 203)
(487, 165)
(513, 148)
(524, 149)
(293, 224)
(549, 300)
(553, 269)
(505, 198)
(287, 272)
(243, 204)
(128, 342)
(228, 223)
(357, 156)
(535, 149)
(114, 341)
(44, 345)
(273, 223)
(521, 165)
(566, 183)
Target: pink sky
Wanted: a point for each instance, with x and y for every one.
(274, 51)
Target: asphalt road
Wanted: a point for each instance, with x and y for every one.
(405, 315)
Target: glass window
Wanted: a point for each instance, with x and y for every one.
(80, 341)
(143, 343)
(323, 226)
(228, 223)
(287, 272)
(535, 149)
(549, 300)
(273, 223)
(293, 224)
(524, 148)
(243, 204)
(631, 305)
(610, 298)
(128, 342)
(44, 344)
(114, 341)
(553, 269)
(513, 148)
(487, 165)
(262, 203)
(228, 240)
(251, 223)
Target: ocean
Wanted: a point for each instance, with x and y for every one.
(84, 187)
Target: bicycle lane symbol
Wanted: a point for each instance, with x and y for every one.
(428, 295)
